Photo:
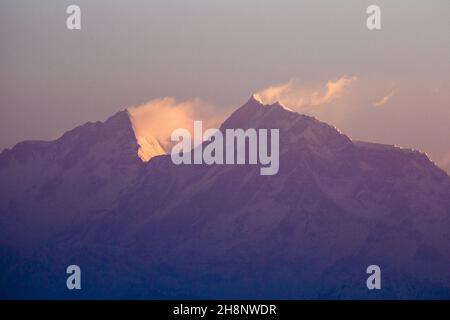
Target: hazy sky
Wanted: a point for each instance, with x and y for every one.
(390, 86)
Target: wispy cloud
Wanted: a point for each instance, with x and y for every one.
(384, 99)
(154, 121)
(294, 95)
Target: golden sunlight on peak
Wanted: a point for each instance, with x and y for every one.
(154, 121)
(260, 100)
(256, 97)
(149, 147)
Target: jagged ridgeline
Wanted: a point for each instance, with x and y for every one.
(153, 229)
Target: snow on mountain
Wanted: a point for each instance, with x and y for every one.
(149, 146)
(157, 230)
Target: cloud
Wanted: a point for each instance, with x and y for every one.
(293, 95)
(384, 99)
(275, 93)
(334, 90)
(154, 121)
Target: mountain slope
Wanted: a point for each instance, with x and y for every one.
(224, 231)
(46, 185)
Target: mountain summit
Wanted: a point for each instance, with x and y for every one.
(157, 230)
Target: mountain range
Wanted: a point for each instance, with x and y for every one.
(155, 230)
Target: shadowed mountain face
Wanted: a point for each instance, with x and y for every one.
(46, 185)
(157, 230)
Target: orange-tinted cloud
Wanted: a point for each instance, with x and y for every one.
(274, 94)
(154, 121)
(293, 95)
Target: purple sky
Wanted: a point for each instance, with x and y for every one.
(130, 52)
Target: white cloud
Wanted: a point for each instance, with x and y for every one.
(154, 121)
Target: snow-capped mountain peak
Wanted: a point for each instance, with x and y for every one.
(333, 208)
